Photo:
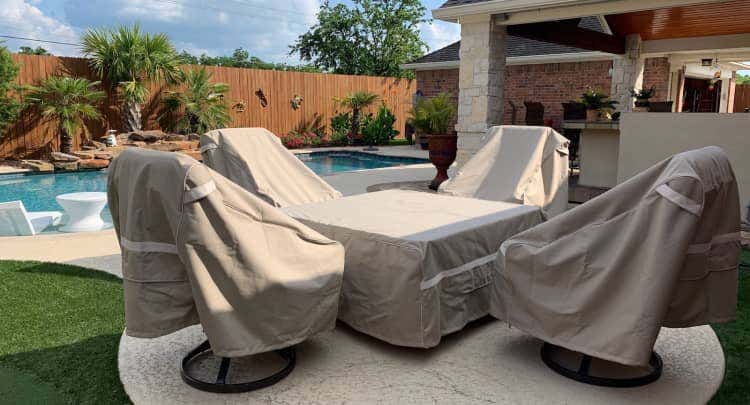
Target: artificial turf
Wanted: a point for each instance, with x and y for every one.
(61, 327)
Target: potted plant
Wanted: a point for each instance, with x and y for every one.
(595, 103)
(432, 117)
(70, 101)
(642, 97)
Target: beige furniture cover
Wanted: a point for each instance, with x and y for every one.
(418, 265)
(519, 164)
(660, 249)
(198, 248)
(255, 159)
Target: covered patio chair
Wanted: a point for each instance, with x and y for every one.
(197, 248)
(519, 164)
(598, 282)
(255, 159)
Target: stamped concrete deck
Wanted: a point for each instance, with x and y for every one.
(485, 363)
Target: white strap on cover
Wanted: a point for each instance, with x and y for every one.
(210, 146)
(148, 247)
(199, 192)
(680, 200)
(432, 282)
(699, 248)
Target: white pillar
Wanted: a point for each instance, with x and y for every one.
(480, 82)
(627, 73)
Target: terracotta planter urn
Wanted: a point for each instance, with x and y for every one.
(442, 155)
(592, 115)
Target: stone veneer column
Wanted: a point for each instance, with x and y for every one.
(627, 73)
(480, 82)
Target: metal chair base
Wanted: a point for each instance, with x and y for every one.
(220, 385)
(583, 373)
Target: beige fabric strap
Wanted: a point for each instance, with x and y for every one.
(699, 248)
(199, 192)
(432, 282)
(678, 199)
(148, 247)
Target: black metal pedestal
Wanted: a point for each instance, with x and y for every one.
(583, 373)
(220, 385)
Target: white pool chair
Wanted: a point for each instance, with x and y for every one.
(16, 221)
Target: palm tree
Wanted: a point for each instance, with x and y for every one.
(356, 102)
(128, 59)
(68, 100)
(200, 108)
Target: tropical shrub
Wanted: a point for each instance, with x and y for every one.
(356, 102)
(594, 100)
(128, 59)
(69, 101)
(315, 126)
(199, 108)
(378, 130)
(10, 107)
(433, 116)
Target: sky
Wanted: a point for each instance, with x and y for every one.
(213, 27)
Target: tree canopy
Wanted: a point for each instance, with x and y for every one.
(373, 37)
(10, 107)
(241, 58)
(27, 50)
(743, 79)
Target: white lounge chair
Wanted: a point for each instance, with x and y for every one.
(16, 221)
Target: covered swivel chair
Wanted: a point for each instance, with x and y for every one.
(255, 159)
(598, 282)
(197, 248)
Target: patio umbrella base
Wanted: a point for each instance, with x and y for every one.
(590, 370)
(203, 351)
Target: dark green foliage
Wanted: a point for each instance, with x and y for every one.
(378, 130)
(373, 37)
(27, 50)
(61, 327)
(10, 106)
(242, 59)
(433, 116)
(594, 100)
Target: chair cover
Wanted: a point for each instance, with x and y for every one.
(198, 248)
(519, 164)
(660, 249)
(255, 159)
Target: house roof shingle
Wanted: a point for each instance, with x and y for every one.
(515, 46)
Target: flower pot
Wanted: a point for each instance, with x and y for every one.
(640, 109)
(592, 115)
(442, 155)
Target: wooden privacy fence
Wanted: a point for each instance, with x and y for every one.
(742, 98)
(33, 137)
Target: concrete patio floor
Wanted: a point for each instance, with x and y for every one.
(488, 362)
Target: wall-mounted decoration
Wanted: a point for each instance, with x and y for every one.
(262, 98)
(296, 101)
(239, 106)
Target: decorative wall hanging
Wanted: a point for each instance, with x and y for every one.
(262, 98)
(296, 101)
(240, 106)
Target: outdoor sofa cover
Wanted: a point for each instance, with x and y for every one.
(198, 248)
(660, 249)
(418, 265)
(519, 164)
(255, 159)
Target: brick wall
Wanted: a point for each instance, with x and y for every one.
(656, 73)
(551, 84)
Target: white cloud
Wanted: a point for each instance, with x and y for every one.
(152, 10)
(24, 19)
(440, 34)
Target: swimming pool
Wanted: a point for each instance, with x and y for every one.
(38, 191)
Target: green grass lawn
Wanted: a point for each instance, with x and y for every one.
(61, 326)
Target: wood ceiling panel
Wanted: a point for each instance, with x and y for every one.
(723, 18)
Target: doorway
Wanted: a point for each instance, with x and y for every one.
(701, 95)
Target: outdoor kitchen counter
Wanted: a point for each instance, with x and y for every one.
(599, 150)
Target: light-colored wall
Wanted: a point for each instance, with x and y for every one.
(647, 138)
(599, 154)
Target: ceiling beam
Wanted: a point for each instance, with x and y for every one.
(564, 33)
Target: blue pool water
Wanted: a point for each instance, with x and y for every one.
(38, 191)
